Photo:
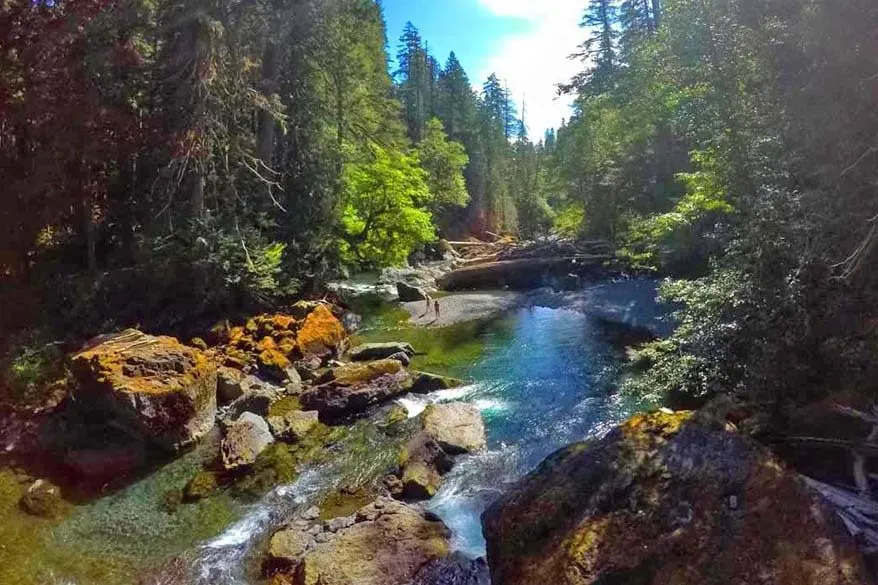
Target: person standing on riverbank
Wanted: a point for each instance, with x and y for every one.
(429, 304)
(436, 307)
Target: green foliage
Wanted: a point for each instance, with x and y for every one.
(695, 360)
(29, 367)
(444, 161)
(673, 239)
(384, 215)
(569, 221)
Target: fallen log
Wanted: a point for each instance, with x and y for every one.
(490, 244)
(522, 273)
(859, 514)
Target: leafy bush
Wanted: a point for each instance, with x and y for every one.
(678, 241)
(698, 359)
(29, 366)
(569, 221)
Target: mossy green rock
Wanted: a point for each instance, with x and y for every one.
(201, 486)
(666, 499)
(43, 499)
(293, 425)
(351, 389)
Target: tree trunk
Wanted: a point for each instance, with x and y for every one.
(267, 123)
(89, 232)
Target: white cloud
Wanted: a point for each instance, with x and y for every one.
(533, 63)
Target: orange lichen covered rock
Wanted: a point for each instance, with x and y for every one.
(155, 385)
(321, 333)
(273, 363)
(666, 499)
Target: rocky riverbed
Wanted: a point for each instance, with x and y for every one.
(285, 448)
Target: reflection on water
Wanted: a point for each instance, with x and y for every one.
(551, 383)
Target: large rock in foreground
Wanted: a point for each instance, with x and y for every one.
(155, 385)
(351, 389)
(666, 499)
(385, 543)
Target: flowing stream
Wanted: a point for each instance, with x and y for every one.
(543, 375)
(547, 376)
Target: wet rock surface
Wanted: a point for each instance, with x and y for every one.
(455, 569)
(384, 543)
(665, 499)
(457, 427)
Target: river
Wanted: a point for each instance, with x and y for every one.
(543, 375)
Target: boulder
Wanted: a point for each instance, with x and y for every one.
(286, 548)
(154, 385)
(402, 357)
(385, 543)
(229, 384)
(244, 440)
(456, 426)
(258, 397)
(408, 293)
(421, 466)
(350, 389)
(321, 333)
(293, 425)
(424, 383)
(379, 351)
(666, 498)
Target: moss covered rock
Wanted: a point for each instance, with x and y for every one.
(666, 499)
(377, 351)
(155, 385)
(43, 499)
(421, 465)
(293, 425)
(321, 333)
(202, 485)
(351, 389)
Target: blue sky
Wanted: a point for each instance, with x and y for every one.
(526, 42)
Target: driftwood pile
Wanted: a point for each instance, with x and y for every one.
(474, 251)
(854, 504)
(506, 262)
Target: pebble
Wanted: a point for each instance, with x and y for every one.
(337, 524)
(312, 513)
(323, 537)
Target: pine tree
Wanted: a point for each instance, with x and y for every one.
(599, 50)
